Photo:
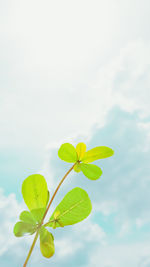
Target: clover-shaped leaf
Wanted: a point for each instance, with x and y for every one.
(27, 217)
(22, 228)
(91, 171)
(74, 207)
(96, 153)
(34, 191)
(80, 149)
(46, 243)
(68, 153)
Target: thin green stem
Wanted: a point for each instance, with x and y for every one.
(51, 200)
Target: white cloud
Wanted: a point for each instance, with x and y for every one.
(66, 247)
(132, 255)
(9, 212)
(90, 232)
(64, 73)
(47, 116)
(146, 141)
(126, 79)
(125, 229)
(106, 207)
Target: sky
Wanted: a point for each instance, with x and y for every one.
(77, 71)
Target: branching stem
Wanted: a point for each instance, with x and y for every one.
(51, 200)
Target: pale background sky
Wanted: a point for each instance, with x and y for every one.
(77, 71)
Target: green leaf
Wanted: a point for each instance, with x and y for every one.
(48, 196)
(80, 148)
(96, 153)
(27, 217)
(56, 214)
(74, 207)
(22, 228)
(76, 168)
(91, 171)
(46, 243)
(34, 216)
(34, 191)
(38, 214)
(67, 153)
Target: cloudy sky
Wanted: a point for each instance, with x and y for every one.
(74, 71)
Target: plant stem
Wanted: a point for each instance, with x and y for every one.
(46, 224)
(31, 248)
(51, 200)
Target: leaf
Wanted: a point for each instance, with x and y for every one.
(67, 153)
(80, 148)
(56, 214)
(46, 243)
(27, 217)
(76, 168)
(38, 214)
(74, 207)
(48, 196)
(22, 228)
(34, 191)
(54, 225)
(96, 153)
(91, 171)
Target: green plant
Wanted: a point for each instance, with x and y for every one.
(74, 207)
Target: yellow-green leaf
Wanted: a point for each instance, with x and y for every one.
(67, 153)
(76, 168)
(80, 148)
(27, 217)
(34, 191)
(56, 214)
(96, 153)
(46, 243)
(48, 196)
(22, 228)
(74, 207)
(38, 214)
(91, 171)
